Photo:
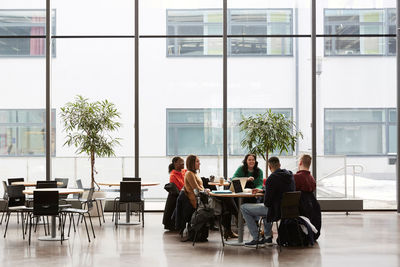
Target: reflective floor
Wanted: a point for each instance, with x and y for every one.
(360, 239)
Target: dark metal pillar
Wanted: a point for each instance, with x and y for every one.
(48, 90)
(314, 87)
(225, 87)
(137, 88)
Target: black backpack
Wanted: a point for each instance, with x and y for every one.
(290, 233)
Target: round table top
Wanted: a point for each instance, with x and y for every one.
(218, 184)
(237, 195)
(30, 183)
(61, 191)
(118, 184)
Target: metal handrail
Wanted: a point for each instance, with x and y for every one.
(344, 168)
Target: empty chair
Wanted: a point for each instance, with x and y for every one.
(5, 198)
(46, 184)
(82, 212)
(11, 180)
(46, 204)
(64, 184)
(130, 192)
(16, 203)
(131, 179)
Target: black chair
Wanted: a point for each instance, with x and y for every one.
(5, 198)
(82, 212)
(289, 210)
(45, 203)
(46, 184)
(12, 180)
(16, 203)
(131, 179)
(130, 192)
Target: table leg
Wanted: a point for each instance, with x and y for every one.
(239, 242)
(53, 232)
(128, 216)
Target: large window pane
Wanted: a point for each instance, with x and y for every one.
(95, 17)
(180, 112)
(79, 70)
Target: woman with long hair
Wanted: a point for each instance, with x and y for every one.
(192, 179)
(177, 172)
(250, 169)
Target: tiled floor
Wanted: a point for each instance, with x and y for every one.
(360, 239)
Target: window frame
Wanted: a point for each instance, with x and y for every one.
(268, 25)
(384, 124)
(43, 39)
(231, 125)
(385, 24)
(17, 125)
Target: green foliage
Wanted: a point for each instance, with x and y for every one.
(88, 126)
(268, 132)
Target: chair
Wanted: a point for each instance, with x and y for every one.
(16, 203)
(46, 184)
(82, 212)
(5, 198)
(289, 210)
(64, 182)
(130, 192)
(46, 204)
(12, 180)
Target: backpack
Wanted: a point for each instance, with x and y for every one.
(290, 234)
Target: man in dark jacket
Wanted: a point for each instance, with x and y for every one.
(279, 182)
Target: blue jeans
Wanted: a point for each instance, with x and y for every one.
(251, 214)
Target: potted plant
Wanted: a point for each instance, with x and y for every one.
(268, 132)
(88, 127)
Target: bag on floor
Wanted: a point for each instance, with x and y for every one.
(290, 234)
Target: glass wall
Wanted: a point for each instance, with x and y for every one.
(356, 90)
(180, 68)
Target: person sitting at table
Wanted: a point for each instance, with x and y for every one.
(305, 183)
(177, 172)
(279, 182)
(192, 180)
(250, 169)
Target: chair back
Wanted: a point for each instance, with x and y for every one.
(290, 205)
(130, 192)
(46, 184)
(15, 195)
(90, 198)
(12, 180)
(5, 195)
(45, 203)
(64, 182)
(80, 186)
(131, 179)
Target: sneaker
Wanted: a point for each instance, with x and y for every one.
(253, 244)
(268, 241)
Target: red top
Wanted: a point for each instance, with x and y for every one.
(304, 181)
(178, 178)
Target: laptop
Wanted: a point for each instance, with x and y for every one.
(238, 181)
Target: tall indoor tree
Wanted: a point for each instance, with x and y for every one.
(268, 132)
(88, 126)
